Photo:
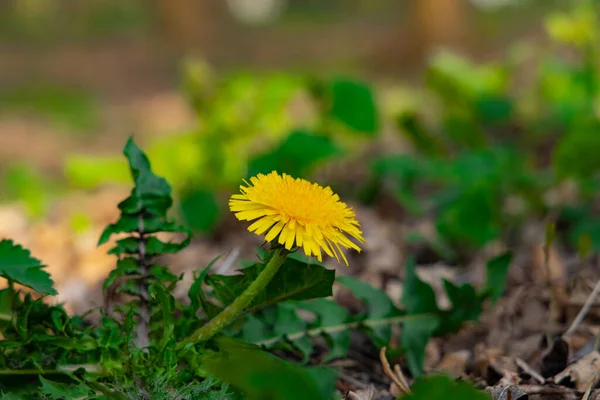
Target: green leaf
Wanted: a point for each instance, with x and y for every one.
(418, 298)
(295, 156)
(59, 318)
(12, 396)
(330, 314)
(415, 335)
(441, 387)
(199, 209)
(352, 103)
(496, 272)
(379, 306)
(260, 375)
(151, 194)
(133, 224)
(424, 143)
(152, 205)
(162, 273)
(17, 265)
(494, 108)
(255, 330)
(83, 344)
(466, 306)
(167, 307)
(6, 308)
(154, 246)
(378, 303)
(288, 321)
(402, 173)
(323, 377)
(110, 335)
(109, 394)
(574, 154)
(63, 391)
(146, 183)
(125, 266)
(196, 293)
(472, 216)
(294, 281)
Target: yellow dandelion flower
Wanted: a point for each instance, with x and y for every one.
(299, 213)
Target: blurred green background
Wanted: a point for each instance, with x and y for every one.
(477, 114)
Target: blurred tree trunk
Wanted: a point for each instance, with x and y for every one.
(189, 24)
(440, 22)
(422, 26)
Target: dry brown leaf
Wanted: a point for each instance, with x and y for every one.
(556, 269)
(454, 363)
(555, 392)
(511, 392)
(363, 394)
(494, 367)
(585, 372)
(555, 357)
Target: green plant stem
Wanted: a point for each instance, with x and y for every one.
(226, 316)
(292, 336)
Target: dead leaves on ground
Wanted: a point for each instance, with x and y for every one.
(531, 344)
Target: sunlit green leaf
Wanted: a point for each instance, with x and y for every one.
(260, 375)
(17, 265)
(62, 390)
(294, 281)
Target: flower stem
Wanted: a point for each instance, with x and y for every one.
(226, 316)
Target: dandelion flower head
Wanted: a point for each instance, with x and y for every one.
(299, 213)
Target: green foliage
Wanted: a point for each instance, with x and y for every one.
(439, 387)
(85, 172)
(349, 102)
(18, 266)
(298, 153)
(573, 156)
(58, 390)
(281, 325)
(294, 281)
(26, 184)
(246, 126)
(41, 338)
(143, 213)
(62, 106)
(133, 351)
(496, 271)
(199, 209)
(466, 191)
(260, 375)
